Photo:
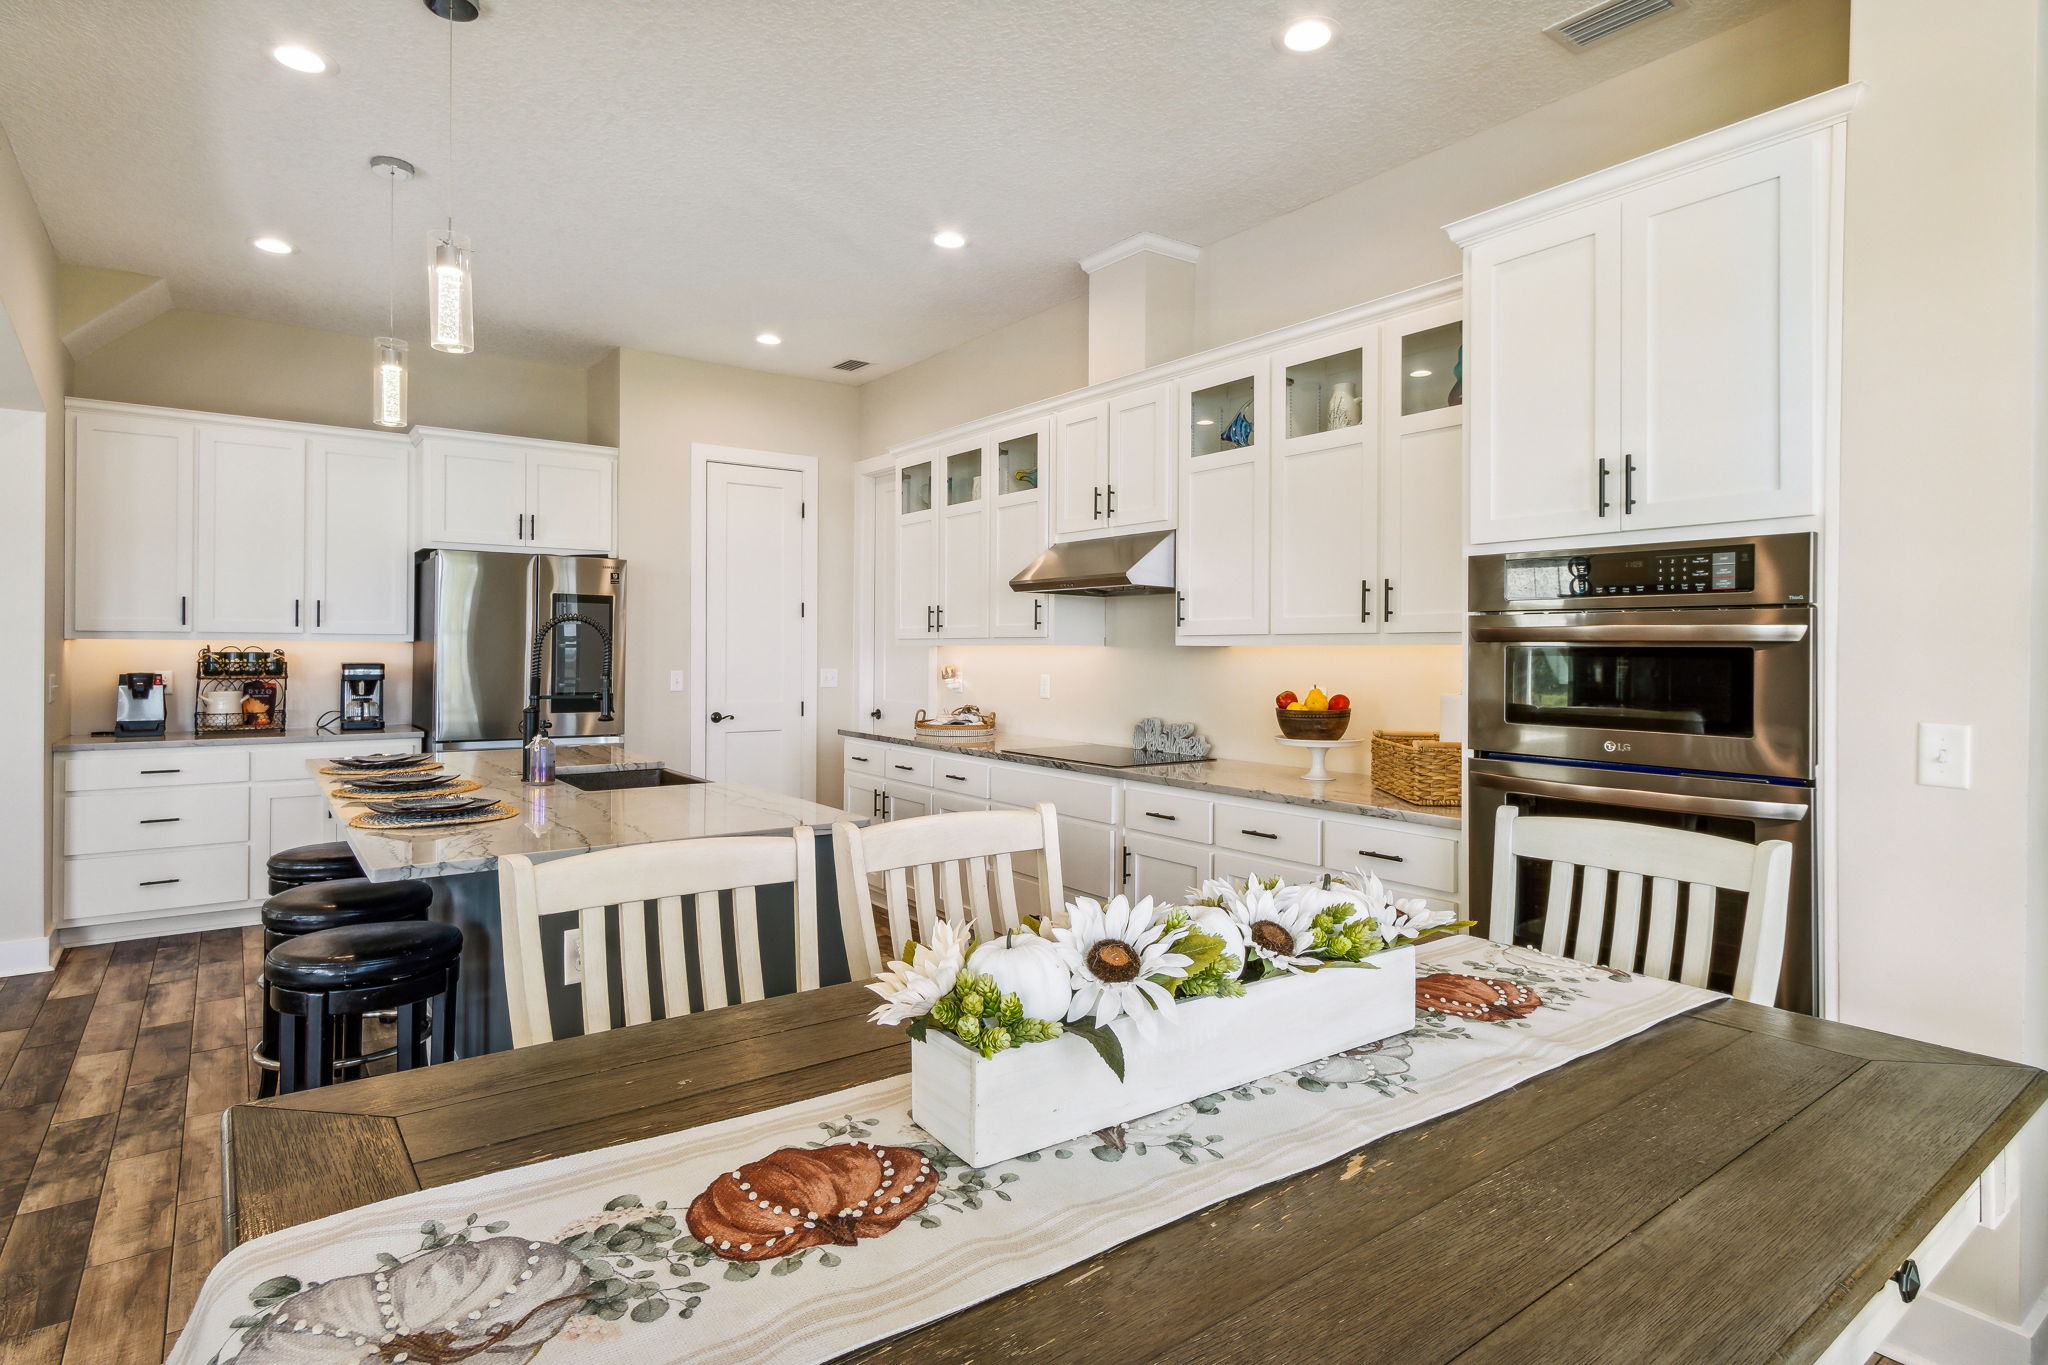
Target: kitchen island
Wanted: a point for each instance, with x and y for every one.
(559, 821)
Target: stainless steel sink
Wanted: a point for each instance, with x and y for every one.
(623, 779)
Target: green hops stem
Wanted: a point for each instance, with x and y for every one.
(967, 1028)
(946, 1011)
(1010, 1011)
(993, 1041)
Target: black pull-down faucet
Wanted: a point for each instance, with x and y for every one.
(529, 719)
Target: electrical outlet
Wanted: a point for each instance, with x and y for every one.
(828, 677)
(1944, 755)
(675, 680)
(1045, 685)
(572, 957)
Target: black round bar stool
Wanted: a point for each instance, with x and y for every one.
(317, 906)
(318, 982)
(311, 863)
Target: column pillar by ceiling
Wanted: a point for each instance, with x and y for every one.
(1141, 305)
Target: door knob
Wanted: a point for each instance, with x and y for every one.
(717, 716)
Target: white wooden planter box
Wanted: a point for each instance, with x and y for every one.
(986, 1110)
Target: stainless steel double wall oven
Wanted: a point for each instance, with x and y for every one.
(1667, 684)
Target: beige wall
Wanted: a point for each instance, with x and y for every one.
(314, 690)
(215, 363)
(1940, 892)
(664, 405)
(33, 374)
(1373, 239)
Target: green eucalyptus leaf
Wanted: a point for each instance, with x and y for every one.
(1105, 1042)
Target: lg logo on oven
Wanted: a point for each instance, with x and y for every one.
(1615, 746)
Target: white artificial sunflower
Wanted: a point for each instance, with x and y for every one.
(1112, 952)
(1277, 926)
(910, 989)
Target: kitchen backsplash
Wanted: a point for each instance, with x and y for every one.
(1098, 694)
(91, 665)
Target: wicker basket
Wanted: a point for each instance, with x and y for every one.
(929, 728)
(1416, 766)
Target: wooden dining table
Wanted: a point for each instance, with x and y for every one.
(1734, 1184)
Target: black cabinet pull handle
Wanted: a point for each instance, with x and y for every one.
(1603, 488)
(855, 758)
(1038, 613)
(1180, 608)
(1628, 484)
(1386, 599)
(901, 767)
(162, 820)
(952, 777)
(1159, 815)
(1907, 1278)
(1127, 864)
(1098, 503)
(1383, 857)
(1112, 500)
(160, 881)
(295, 613)
(152, 772)
(181, 610)
(317, 612)
(942, 618)
(1258, 834)
(1364, 601)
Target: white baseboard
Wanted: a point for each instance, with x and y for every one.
(1937, 1331)
(119, 930)
(20, 956)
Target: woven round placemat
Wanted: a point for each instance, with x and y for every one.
(425, 765)
(392, 824)
(455, 786)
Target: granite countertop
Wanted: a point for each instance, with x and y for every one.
(174, 736)
(1343, 794)
(558, 820)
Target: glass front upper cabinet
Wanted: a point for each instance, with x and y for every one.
(915, 482)
(963, 477)
(1221, 417)
(1326, 394)
(1017, 464)
(1433, 369)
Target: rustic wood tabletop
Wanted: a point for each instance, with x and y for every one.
(1732, 1185)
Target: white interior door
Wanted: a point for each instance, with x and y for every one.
(754, 614)
(898, 673)
(131, 524)
(359, 529)
(251, 534)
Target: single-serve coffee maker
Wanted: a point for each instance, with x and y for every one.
(362, 696)
(139, 704)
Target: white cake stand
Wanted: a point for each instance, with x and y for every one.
(1318, 750)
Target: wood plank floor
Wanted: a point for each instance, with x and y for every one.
(117, 1066)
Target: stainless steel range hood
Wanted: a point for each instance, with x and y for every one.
(1115, 566)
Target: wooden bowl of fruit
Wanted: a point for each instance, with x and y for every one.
(1315, 716)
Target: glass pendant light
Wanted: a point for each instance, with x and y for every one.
(387, 353)
(451, 319)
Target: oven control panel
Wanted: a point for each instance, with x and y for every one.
(1694, 571)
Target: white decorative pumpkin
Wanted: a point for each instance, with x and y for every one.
(1214, 919)
(1028, 967)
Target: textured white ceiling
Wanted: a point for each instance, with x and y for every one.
(678, 175)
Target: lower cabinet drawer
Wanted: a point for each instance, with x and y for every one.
(907, 765)
(1391, 852)
(864, 756)
(962, 776)
(172, 817)
(1239, 868)
(1163, 810)
(121, 885)
(181, 766)
(948, 801)
(1089, 798)
(1274, 831)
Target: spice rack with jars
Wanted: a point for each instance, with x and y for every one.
(240, 691)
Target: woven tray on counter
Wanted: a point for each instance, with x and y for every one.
(398, 824)
(455, 787)
(1416, 766)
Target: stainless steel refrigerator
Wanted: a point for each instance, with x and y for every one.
(472, 647)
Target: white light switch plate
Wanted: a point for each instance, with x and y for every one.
(828, 677)
(675, 680)
(1944, 755)
(1045, 684)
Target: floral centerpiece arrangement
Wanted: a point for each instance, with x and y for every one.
(1094, 963)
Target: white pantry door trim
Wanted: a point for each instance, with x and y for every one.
(701, 459)
(874, 627)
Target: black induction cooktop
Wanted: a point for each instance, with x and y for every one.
(1102, 755)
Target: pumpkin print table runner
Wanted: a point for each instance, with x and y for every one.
(785, 1236)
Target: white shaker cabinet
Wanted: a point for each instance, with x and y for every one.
(250, 572)
(1112, 470)
(1222, 551)
(359, 536)
(1422, 474)
(964, 586)
(917, 550)
(1325, 486)
(507, 493)
(571, 500)
(475, 492)
(131, 502)
(1650, 347)
(1080, 443)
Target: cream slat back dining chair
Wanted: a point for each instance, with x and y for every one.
(591, 886)
(962, 865)
(1589, 852)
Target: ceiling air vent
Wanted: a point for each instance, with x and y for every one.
(1601, 22)
(851, 365)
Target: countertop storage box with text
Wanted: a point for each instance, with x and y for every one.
(986, 1110)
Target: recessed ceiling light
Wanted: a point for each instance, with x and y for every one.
(276, 246)
(1420, 374)
(1307, 35)
(299, 58)
(948, 239)
(769, 339)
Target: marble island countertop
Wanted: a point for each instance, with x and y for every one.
(558, 820)
(1344, 793)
